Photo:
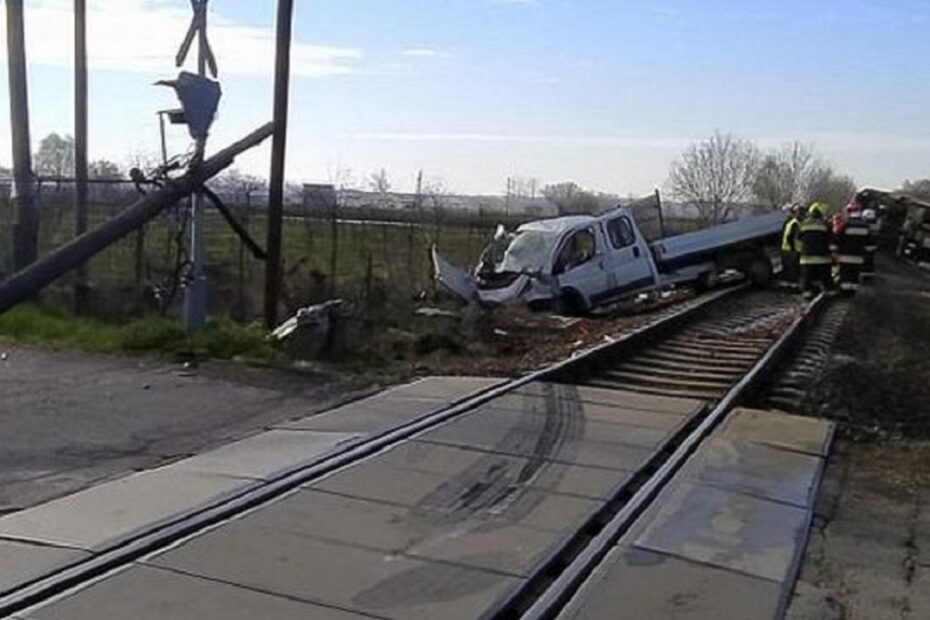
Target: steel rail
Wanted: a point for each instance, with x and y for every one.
(544, 598)
(184, 525)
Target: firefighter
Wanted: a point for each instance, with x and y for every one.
(815, 260)
(871, 246)
(851, 249)
(790, 245)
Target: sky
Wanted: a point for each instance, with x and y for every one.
(603, 92)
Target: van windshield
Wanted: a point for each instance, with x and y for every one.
(528, 252)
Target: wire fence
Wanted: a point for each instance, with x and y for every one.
(352, 254)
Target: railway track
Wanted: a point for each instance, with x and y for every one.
(714, 352)
(788, 387)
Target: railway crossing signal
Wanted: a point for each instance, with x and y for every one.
(198, 30)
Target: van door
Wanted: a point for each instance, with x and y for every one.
(629, 266)
(580, 264)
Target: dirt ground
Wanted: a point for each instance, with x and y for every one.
(69, 420)
(869, 554)
(514, 341)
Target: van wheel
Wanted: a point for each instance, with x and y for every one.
(705, 282)
(571, 303)
(760, 273)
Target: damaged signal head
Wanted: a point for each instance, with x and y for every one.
(199, 97)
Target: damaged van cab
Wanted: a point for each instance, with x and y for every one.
(576, 263)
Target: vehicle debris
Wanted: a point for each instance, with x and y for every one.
(437, 313)
(574, 264)
(309, 333)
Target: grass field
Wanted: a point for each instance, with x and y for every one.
(222, 339)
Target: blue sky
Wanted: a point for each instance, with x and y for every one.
(604, 92)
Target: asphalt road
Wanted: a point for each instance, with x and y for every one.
(69, 420)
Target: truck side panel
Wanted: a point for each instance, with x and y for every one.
(682, 250)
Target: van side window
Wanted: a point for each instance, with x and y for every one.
(577, 250)
(620, 232)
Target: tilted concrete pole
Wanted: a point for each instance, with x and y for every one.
(26, 283)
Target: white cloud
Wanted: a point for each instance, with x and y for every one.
(143, 36)
(420, 52)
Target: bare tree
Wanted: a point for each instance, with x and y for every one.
(522, 188)
(919, 189)
(55, 157)
(239, 187)
(104, 169)
(715, 175)
(783, 175)
(571, 198)
(827, 186)
(381, 185)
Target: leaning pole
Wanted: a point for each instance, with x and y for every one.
(26, 283)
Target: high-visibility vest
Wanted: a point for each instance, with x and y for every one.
(789, 237)
(815, 242)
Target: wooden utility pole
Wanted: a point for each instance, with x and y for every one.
(80, 142)
(26, 228)
(282, 74)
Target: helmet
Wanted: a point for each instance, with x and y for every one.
(817, 209)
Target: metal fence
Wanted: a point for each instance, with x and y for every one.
(338, 253)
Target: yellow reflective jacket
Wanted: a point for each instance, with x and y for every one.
(789, 238)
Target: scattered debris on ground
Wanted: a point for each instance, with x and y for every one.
(311, 333)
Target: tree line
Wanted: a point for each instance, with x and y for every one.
(716, 177)
(720, 174)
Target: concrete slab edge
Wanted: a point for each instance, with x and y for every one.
(794, 572)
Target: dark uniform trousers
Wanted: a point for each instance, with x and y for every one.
(816, 265)
(852, 247)
(871, 247)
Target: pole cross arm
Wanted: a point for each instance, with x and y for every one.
(198, 27)
(26, 283)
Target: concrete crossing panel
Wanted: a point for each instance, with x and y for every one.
(268, 454)
(557, 426)
(145, 593)
(399, 474)
(348, 577)
(110, 512)
(395, 406)
(590, 412)
(634, 584)
(612, 397)
(756, 469)
(479, 538)
(779, 430)
(725, 529)
(544, 444)
(21, 562)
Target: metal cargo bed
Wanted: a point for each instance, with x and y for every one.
(682, 250)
